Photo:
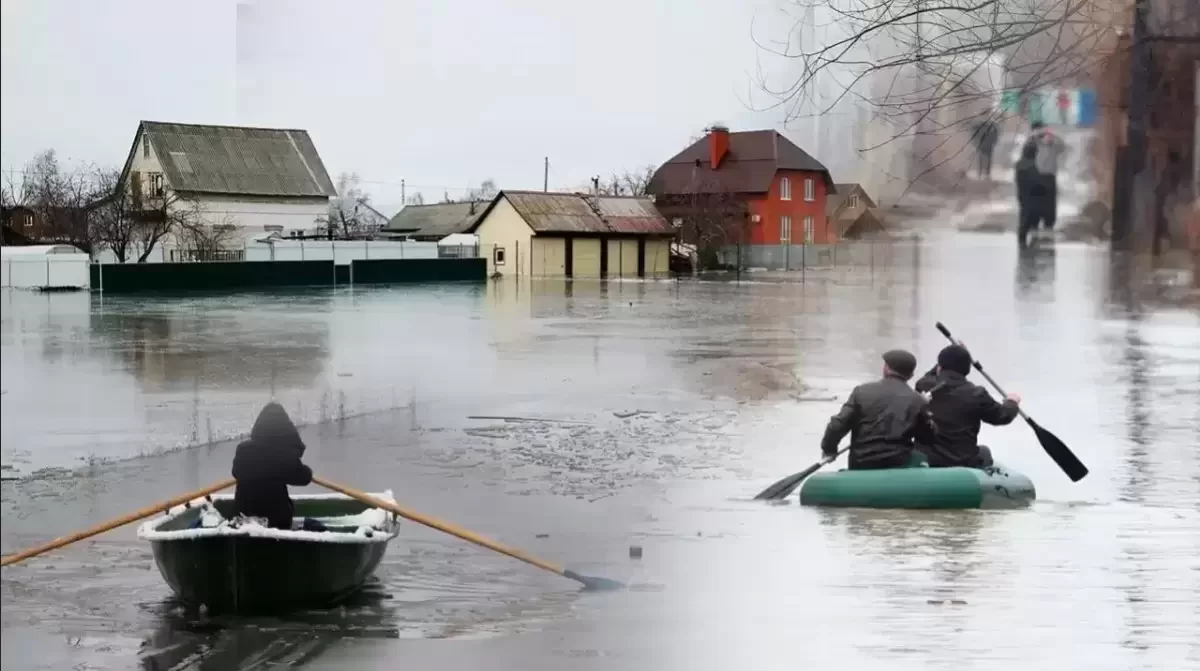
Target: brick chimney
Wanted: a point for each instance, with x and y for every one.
(718, 144)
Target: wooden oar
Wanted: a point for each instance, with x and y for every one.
(784, 488)
(588, 582)
(1058, 450)
(120, 521)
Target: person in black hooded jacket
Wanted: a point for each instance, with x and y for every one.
(266, 464)
(959, 408)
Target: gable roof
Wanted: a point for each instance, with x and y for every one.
(235, 160)
(440, 219)
(582, 214)
(749, 166)
(834, 202)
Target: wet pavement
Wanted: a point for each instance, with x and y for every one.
(640, 414)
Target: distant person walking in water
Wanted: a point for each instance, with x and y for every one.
(986, 136)
(1033, 195)
(1049, 148)
(883, 418)
(265, 465)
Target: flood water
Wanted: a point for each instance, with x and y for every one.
(660, 408)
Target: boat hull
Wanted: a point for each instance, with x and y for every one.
(264, 571)
(920, 488)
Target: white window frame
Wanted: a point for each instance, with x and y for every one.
(853, 201)
(498, 256)
(808, 230)
(810, 189)
(785, 229)
(785, 188)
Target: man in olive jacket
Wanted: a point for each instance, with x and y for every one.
(959, 407)
(883, 418)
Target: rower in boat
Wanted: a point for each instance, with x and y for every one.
(884, 418)
(959, 407)
(264, 466)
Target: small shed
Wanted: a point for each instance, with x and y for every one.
(44, 267)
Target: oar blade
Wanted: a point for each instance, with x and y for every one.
(784, 488)
(593, 583)
(1059, 452)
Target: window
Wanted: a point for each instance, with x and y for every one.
(145, 145)
(785, 229)
(853, 201)
(498, 256)
(808, 230)
(785, 189)
(154, 183)
(810, 189)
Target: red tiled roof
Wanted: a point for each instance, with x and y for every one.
(749, 167)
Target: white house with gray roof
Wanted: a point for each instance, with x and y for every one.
(258, 180)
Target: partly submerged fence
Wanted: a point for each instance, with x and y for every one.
(871, 253)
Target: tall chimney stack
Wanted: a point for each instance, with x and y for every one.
(718, 144)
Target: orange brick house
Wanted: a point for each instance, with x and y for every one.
(749, 187)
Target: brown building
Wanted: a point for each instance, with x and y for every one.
(763, 188)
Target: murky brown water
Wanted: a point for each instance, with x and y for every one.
(1102, 574)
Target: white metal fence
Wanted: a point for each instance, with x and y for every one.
(48, 271)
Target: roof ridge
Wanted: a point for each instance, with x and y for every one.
(221, 125)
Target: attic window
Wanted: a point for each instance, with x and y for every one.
(853, 200)
(145, 146)
(181, 161)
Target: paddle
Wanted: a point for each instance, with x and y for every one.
(1058, 450)
(120, 521)
(784, 488)
(470, 536)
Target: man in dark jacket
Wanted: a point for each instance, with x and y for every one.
(266, 464)
(1033, 195)
(959, 407)
(883, 418)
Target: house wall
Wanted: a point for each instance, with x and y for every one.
(771, 208)
(845, 215)
(255, 216)
(658, 257)
(504, 229)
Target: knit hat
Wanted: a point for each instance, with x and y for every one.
(955, 358)
(900, 362)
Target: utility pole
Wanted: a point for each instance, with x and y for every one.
(1131, 159)
(546, 174)
(403, 194)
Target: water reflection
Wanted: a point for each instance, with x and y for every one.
(1035, 272)
(185, 344)
(186, 639)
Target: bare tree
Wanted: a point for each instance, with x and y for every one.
(202, 241)
(416, 199)
(59, 199)
(350, 212)
(131, 222)
(708, 217)
(930, 70)
(486, 191)
(628, 183)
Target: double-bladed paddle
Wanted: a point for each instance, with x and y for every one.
(1058, 450)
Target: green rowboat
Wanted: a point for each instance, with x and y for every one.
(920, 487)
(243, 567)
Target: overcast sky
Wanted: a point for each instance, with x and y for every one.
(440, 94)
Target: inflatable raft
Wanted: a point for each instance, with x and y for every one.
(921, 487)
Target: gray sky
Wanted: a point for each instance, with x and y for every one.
(440, 94)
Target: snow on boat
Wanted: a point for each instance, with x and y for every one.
(920, 488)
(242, 566)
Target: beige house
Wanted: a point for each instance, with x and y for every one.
(847, 207)
(538, 234)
